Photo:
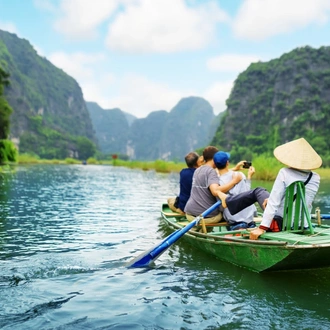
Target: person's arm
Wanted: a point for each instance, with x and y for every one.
(251, 172)
(273, 204)
(238, 166)
(214, 188)
(237, 177)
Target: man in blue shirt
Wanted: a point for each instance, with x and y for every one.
(177, 204)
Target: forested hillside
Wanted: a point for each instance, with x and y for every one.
(161, 135)
(277, 101)
(111, 127)
(270, 103)
(49, 115)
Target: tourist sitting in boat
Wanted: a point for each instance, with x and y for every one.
(177, 204)
(244, 218)
(301, 159)
(205, 189)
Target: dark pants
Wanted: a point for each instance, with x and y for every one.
(239, 202)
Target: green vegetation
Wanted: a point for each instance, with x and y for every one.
(35, 159)
(49, 115)
(8, 151)
(266, 167)
(278, 101)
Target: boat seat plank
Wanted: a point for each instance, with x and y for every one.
(172, 214)
(297, 238)
(283, 236)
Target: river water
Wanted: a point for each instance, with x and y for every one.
(67, 232)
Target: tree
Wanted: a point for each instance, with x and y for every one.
(86, 148)
(8, 151)
(5, 109)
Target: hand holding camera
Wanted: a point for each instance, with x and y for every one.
(247, 164)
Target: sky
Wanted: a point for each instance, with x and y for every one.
(146, 55)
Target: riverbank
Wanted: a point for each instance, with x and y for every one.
(266, 167)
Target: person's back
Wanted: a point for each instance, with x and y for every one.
(201, 198)
(177, 204)
(284, 178)
(244, 218)
(301, 159)
(186, 176)
(247, 214)
(205, 189)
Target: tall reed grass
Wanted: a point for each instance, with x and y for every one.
(266, 167)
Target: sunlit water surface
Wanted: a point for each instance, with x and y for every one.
(67, 232)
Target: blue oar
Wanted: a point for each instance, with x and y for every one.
(151, 255)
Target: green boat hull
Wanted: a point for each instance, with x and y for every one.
(276, 252)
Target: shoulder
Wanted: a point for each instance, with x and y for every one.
(205, 169)
(316, 176)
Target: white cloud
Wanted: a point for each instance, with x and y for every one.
(47, 5)
(260, 19)
(164, 26)
(231, 62)
(131, 93)
(217, 94)
(40, 51)
(9, 27)
(78, 65)
(80, 18)
(139, 96)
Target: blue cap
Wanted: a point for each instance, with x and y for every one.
(220, 158)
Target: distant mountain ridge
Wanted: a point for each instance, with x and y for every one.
(51, 119)
(161, 135)
(270, 103)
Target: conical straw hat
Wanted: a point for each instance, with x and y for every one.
(298, 154)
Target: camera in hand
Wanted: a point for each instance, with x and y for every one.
(247, 164)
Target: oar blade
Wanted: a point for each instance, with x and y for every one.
(145, 258)
(142, 260)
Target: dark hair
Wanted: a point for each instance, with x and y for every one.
(191, 159)
(221, 167)
(209, 152)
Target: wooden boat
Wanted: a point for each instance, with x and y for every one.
(290, 249)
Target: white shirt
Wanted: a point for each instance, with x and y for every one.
(284, 178)
(247, 214)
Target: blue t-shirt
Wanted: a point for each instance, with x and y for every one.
(186, 176)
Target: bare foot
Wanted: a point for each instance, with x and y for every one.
(223, 198)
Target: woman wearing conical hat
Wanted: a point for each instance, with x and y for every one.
(300, 159)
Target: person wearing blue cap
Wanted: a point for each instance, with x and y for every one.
(239, 201)
(244, 218)
(205, 189)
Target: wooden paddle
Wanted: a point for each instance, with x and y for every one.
(151, 255)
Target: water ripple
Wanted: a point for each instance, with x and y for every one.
(68, 231)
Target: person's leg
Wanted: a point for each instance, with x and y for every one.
(210, 220)
(170, 202)
(215, 219)
(239, 202)
(261, 195)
